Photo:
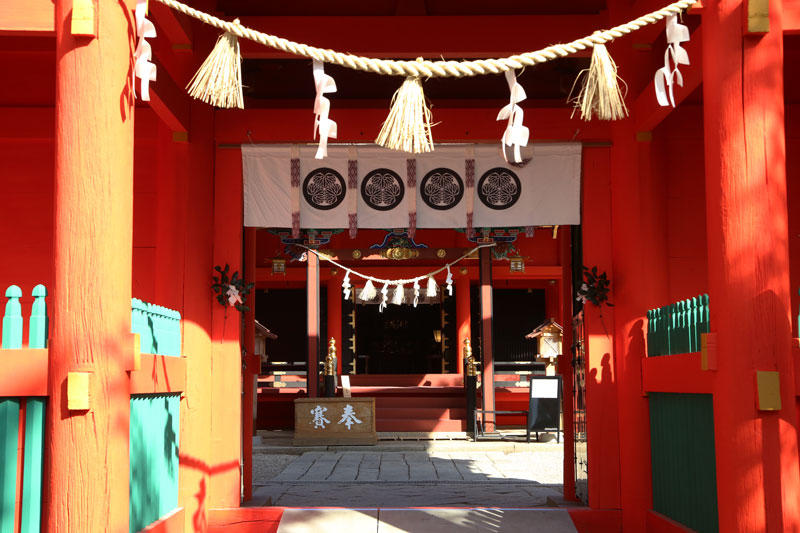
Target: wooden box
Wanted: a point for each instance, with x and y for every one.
(332, 421)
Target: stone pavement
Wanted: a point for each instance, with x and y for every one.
(426, 520)
(414, 478)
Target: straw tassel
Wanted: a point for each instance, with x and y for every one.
(399, 295)
(431, 290)
(218, 81)
(600, 94)
(368, 292)
(408, 126)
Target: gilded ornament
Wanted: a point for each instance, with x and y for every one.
(441, 253)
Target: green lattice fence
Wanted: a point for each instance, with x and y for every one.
(24, 415)
(677, 328)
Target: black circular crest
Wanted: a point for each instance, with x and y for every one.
(441, 188)
(382, 189)
(499, 188)
(324, 188)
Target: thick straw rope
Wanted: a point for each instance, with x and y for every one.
(432, 69)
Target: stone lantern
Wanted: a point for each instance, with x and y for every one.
(550, 335)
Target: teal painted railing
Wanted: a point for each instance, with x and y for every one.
(676, 328)
(159, 328)
(154, 430)
(684, 460)
(32, 425)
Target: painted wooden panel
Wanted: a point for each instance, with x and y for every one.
(154, 430)
(31, 516)
(9, 437)
(159, 328)
(683, 459)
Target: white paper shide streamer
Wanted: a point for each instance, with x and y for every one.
(416, 292)
(346, 286)
(327, 128)
(667, 76)
(449, 281)
(384, 297)
(516, 135)
(233, 296)
(143, 67)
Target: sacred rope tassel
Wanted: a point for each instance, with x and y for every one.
(600, 93)
(384, 297)
(408, 126)
(368, 292)
(431, 291)
(416, 292)
(218, 81)
(399, 294)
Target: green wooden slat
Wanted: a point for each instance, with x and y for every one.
(38, 324)
(12, 319)
(154, 429)
(32, 472)
(683, 459)
(9, 437)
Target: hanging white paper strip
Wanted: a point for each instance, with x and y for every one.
(324, 84)
(516, 135)
(667, 76)
(143, 67)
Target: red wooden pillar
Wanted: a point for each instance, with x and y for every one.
(251, 368)
(86, 460)
(748, 270)
(335, 315)
(462, 318)
(602, 425)
(565, 362)
(487, 340)
(225, 481)
(312, 311)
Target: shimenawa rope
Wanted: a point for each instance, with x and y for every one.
(432, 69)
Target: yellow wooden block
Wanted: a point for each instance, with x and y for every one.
(78, 391)
(137, 352)
(757, 16)
(768, 383)
(83, 21)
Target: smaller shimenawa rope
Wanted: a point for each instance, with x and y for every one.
(433, 69)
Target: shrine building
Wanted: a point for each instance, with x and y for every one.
(186, 257)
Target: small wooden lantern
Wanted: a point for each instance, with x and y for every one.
(550, 335)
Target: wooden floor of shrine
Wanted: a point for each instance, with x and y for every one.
(403, 402)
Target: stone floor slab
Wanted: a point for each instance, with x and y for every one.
(474, 520)
(328, 521)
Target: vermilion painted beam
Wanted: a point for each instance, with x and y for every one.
(245, 520)
(27, 16)
(676, 373)
(175, 27)
(159, 374)
(312, 324)
(278, 124)
(658, 523)
(29, 377)
(171, 523)
(791, 17)
(427, 36)
(487, 337)
(646, 110)
(169, 101)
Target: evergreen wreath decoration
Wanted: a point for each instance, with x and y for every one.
(595, 287)
(231, 291)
